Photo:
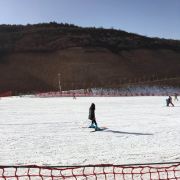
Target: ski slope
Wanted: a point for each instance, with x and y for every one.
(52, 131)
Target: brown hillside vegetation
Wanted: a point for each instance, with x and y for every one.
(32, 56)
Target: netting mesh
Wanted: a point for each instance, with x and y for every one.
(94, 172)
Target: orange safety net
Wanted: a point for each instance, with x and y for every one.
(90, 172)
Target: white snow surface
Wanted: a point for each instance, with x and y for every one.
(53, 131)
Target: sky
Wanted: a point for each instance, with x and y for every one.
(153, 18)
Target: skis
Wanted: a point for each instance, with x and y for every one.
(99, 129)
(96, 128)
(92, 126)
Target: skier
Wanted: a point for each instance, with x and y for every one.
(169, 101)
(74, 96)
(175, 97)
(92, 117)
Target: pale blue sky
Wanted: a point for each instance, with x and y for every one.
(154, 18)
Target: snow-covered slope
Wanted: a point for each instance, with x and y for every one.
(52, 131)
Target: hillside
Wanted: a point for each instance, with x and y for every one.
(31, 57)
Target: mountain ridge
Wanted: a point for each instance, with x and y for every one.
(31, 57)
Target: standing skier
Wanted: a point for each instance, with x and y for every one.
(169, 101)
(92, 117)
(74, 96)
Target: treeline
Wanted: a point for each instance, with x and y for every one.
(53, 36)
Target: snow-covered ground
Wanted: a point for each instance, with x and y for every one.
(52, 131)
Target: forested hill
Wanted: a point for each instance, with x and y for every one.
(53, 36)
(31, 57)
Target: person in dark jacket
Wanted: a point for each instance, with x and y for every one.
(92, 116)
(169, 101)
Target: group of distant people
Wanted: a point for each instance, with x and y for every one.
(169, 100)
(92, 111)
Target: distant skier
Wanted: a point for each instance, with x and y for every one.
(176, 97)
(169, 101)
(92, 117)
(74, 96)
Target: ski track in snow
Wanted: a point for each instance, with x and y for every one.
(49, 131)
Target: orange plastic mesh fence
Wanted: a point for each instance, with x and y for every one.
(92, 172)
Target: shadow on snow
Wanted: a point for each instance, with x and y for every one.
(133, 133)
